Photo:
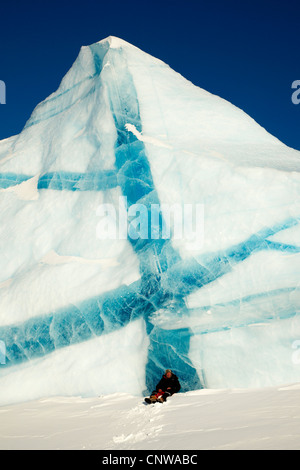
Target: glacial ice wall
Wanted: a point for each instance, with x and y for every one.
(84, 315)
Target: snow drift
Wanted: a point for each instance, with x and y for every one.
(85, 314)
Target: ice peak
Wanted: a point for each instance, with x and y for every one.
(114, 42)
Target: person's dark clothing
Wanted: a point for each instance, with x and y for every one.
(168, 385)
(171, 385)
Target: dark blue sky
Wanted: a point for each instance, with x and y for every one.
(244, 51)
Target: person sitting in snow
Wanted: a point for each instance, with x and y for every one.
(167, 386)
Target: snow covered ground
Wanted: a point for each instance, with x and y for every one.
(265, 418)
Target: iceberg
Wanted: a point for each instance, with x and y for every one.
(86, 314)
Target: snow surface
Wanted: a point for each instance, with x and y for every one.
(250, 419)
